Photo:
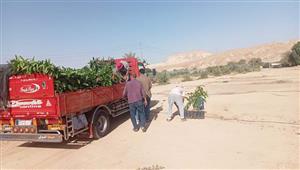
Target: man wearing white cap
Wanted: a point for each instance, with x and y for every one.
(176, 97)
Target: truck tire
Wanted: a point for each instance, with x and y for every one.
(101, 124)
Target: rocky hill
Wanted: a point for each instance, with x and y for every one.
(270, 52)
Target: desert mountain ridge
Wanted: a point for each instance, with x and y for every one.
(270, 52)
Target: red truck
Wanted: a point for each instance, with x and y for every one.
(35, 112)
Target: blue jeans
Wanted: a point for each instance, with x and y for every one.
(137, 108)
(147, 110)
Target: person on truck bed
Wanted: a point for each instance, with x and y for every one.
(123, 68)
(147, 85)
(135, 94)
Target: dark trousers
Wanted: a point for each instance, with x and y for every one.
(147, 108)
(137, 108)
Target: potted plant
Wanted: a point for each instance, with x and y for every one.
(196, 99)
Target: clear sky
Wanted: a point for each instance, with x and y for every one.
(71, 32)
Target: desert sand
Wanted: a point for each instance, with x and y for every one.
(251, 122)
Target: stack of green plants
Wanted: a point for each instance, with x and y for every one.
(98, 72)
(196, 98)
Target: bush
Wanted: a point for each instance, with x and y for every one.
(244, 69)
(242, 61)
(266, 65)
(162, 78)
(178, 73)
(255, 62)
(214, 70)
(232, 66)
(225, 70)
(203, 74)
(187, 77)
(195, 73)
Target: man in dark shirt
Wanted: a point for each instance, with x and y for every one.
(135, 94)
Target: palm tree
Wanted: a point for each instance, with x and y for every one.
(129, 54)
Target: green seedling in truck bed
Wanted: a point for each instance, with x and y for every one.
(98, 72)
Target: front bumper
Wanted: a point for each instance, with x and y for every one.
(37, 137)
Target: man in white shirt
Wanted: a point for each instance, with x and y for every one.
(176, 97)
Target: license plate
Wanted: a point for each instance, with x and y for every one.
(6, 128)
(24, 122)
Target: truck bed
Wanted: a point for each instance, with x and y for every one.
(33, 96)
(78, 101)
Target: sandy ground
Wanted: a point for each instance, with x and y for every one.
(252, 122)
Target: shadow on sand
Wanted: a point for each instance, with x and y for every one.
(72, 143)
(190, 114)
(78, 141)
(82, 140)
(154, 113)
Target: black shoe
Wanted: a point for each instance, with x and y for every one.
(143, 129)
(183, 119)
(135, 129)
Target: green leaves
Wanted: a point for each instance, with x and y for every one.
(21, 65)
(194, 99)
(98, 72)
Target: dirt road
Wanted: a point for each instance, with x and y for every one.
(252, 121)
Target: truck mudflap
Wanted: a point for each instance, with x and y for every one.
(37, 137)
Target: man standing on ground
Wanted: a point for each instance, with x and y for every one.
(135, 94)
(147, 85)
(176, 96)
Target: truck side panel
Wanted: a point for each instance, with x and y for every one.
(118, 91)
(30, 86)
(102, 95)
(74, 102)
(34, 107)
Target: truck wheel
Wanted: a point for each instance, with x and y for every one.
(101, 124)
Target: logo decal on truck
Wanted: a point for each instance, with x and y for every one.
(32, 88)
(26, 103)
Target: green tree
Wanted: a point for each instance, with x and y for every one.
(186, 77)
(162, 78)
(232, 66)
(295, 54)
(242, 61)
(255, 62)
(203, 74)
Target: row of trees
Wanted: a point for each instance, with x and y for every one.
(241, 66)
